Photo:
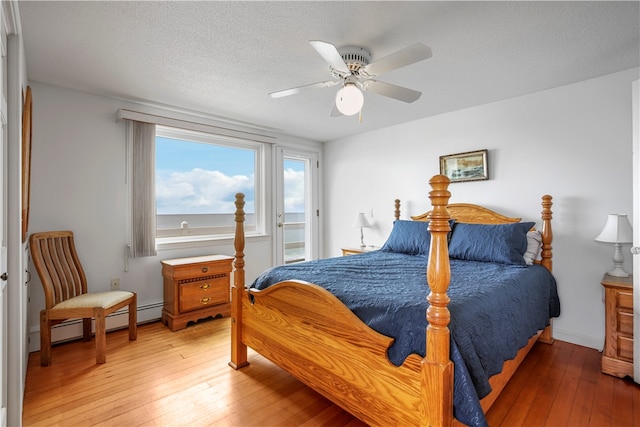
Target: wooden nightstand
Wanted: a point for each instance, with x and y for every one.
(195, 288)
(358, 250)
(617, 357)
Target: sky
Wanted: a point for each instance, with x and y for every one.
(194, 177)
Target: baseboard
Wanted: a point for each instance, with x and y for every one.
(72, 329)
(583, 340)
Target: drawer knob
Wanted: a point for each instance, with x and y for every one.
(205, 269)
(205, 286)
(205, 300)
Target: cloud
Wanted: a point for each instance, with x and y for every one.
(207, 191)
(293, 190)
(201, 191)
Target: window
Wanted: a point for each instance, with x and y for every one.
(295, 221)
(197, 177)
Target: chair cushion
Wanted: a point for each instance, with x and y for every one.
(95, 299)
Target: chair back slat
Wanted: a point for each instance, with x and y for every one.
(68, 266)
(51, 280)
(56, 260)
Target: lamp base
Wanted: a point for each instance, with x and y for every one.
(618, 259)
(618, 272)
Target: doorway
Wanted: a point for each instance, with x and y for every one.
(297, 213)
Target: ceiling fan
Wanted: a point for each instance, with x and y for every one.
(352, 67)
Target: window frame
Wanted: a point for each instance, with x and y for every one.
(260, 148)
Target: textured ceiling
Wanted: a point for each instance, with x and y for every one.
(223, 58)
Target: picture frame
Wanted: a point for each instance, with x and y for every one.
(463, 167)
(26, 161)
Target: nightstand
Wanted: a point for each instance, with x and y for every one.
(617, 357)
(196, 288)
(358, 250)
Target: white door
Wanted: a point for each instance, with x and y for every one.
(3, 228)
(3, 280)
(635, 249)
(296, 206)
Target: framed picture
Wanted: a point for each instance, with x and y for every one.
(26, 161)
(469, 166)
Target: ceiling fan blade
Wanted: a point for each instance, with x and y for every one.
(331, 55)
(392, 91)
(407, 56)
(294, 90)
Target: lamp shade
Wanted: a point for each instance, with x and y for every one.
(349, 100)
(616, 230)
(361, 221)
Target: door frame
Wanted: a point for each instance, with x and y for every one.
(635, 96)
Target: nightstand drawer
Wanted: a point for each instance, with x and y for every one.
(201, 267)
(625, 300)
(625, 323)
(625, 348)
(200, 294)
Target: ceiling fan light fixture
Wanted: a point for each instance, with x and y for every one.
(349, 100)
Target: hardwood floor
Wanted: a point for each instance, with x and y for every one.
(181, 378)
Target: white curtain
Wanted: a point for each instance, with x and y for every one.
(143, 189)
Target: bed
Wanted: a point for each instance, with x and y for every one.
(314, 332)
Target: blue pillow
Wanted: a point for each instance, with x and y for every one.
(502, 243)
(409, 237)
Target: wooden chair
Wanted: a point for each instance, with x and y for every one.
(66, 297)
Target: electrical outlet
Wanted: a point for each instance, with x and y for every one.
(115, 284)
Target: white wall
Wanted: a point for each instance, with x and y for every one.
(573, 142)
(78, 183)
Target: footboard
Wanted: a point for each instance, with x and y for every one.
(307, 331)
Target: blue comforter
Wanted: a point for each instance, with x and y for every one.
(495, 309)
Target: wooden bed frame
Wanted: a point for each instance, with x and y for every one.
(307, 331)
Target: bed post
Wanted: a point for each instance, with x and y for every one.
(238, 348)
(396, 212)
(437, 368)
(547, 238)
(547, 233)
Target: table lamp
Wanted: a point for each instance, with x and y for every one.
(617, 230)
(362, 222)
